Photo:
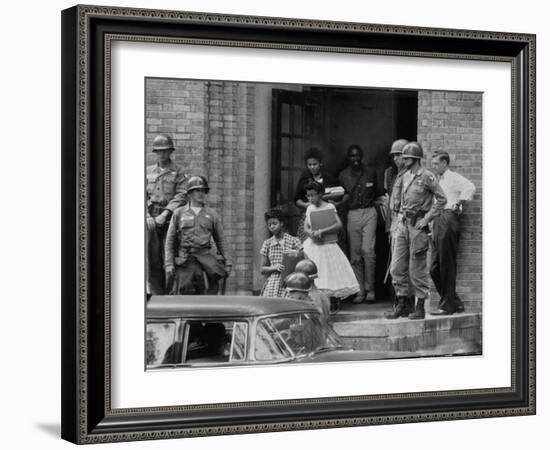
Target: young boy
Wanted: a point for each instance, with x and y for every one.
(188, 257)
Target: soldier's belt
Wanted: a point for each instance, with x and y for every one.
(412, 216)
(156, 209)
(197, 251)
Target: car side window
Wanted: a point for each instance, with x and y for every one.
(159, 343)
(238, 341)
(215, 341)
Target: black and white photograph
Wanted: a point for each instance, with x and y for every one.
(275, 222)
(298, 223)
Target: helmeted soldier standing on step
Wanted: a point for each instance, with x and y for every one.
(165, 192)
(419, 198)
(391, 178)
(189, 261)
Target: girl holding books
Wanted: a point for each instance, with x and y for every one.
(313, 159)
(335, 274)
(273, 250)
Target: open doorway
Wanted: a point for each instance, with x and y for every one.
(331, 119)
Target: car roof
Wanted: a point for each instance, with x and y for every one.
(205, 306)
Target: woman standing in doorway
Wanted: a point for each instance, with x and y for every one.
(313, 160)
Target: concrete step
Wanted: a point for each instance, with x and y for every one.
(364, 327)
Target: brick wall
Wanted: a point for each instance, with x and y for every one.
(451, 121)
(214, 129)
(212, 124)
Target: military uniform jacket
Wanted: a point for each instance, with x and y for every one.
(166, 187)
(422, 195)
(392, 181)
(190, 233)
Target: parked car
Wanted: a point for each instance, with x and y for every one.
(203, 331)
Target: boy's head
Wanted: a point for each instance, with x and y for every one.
(275, 220)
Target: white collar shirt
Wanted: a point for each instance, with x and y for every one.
(456, 187)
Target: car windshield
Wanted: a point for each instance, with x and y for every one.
(291, 336)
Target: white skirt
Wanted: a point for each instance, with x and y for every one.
(335, 275)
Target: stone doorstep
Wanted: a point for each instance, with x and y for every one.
(376, 326)
(364, 327)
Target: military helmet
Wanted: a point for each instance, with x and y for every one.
(163, 142)
(413, 150)
(307, 267)
(397, 146)
(197, 182)
(297, 281)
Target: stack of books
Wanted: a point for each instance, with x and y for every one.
(333, 193)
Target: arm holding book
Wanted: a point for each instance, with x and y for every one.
(324, 224)
(334, 228)
(267, 269)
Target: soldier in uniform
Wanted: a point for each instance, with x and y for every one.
(165, 192)
(391, 176)
(418, 199)
(189, 261)
(319, 298)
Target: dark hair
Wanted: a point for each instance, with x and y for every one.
(314, 186)
(442, 156)
(275, 213)
(354, 147)
(315, 153)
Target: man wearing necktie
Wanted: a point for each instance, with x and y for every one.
(446, 232)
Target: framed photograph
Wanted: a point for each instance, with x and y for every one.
(282, 224)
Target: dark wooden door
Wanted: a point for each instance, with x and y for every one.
(298, 119)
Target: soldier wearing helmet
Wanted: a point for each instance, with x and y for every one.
(165, 192)
(391, 176)
(189, 262)
(319, 298)
(418, 199)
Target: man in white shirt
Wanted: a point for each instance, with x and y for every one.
(446, 232)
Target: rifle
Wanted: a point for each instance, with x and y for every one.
(388, 265)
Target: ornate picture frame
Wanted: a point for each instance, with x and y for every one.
(88, 33)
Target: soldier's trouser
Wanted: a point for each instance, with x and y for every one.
(409, 261)
(155, 260)
(446, 230)
(362, 240)
(391, 288)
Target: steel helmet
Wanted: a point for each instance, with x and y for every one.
(397, 146)
(163, 142)
(413, 150)
(307, 267)
(297, 281)
(197, 182)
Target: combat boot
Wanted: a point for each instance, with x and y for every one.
(400, 310)
(410, 304)
(419, 312)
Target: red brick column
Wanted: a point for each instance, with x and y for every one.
(451, 121)
(212, 124)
